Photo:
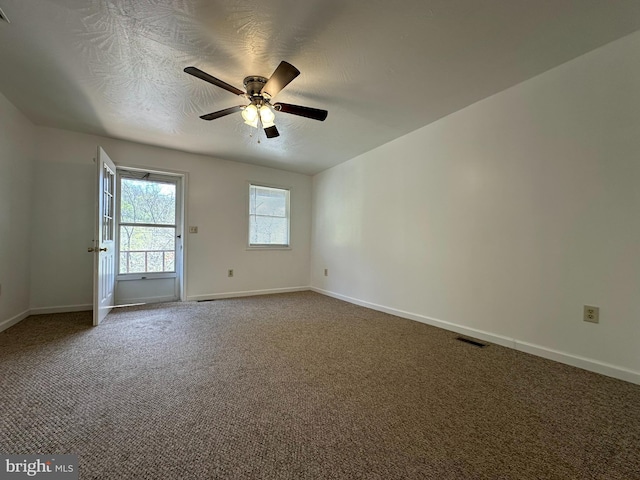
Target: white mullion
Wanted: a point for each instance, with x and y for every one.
(159, 225)
(269, 216)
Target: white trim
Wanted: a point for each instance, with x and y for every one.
(246, 293)
(158, 299)
(153, 170)
(266, 247)
(128, 277)
(580, 362)
(538, 350)
(589, 364)
(10, 322)
(471, 332)
(61, 309)
(184, 213)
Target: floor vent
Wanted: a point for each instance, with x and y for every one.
(3, 16)
(475, 343)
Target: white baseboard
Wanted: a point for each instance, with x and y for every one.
(40, 311)
(580, 362)
(135, 301)
(60, 309)
(589, 364)
(246, 293)
(10, 322)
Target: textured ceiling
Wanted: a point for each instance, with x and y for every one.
(381, 68)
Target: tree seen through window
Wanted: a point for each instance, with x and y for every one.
(268, 216)
(147, 226)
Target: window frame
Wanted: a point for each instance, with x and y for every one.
(154, 177)
(260, 246)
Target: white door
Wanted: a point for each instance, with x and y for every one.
(104, 238)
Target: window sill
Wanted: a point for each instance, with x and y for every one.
(144, 276)
(269, 247)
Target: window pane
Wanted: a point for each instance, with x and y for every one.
(268, 216)
(146, 201)
(154, 261)
(269, 201)
(147, 249)
(269, 231)
(169, 261)
(133, 261)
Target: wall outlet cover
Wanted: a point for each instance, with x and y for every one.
(591, 314)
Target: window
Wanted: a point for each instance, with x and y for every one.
(147, 234)
(108, 204)
(268, 216)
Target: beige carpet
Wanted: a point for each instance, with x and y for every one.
(302, 386)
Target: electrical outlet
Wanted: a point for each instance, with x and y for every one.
(591, 314)
(230, 272)
(193, 229)
(326, 272)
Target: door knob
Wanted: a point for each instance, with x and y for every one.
(102, 249)
(91, 249)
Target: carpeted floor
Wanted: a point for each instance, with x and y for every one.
(302, 386)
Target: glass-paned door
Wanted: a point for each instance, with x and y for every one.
(147, 226)
(149, 232)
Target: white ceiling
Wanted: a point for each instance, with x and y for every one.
(381, 68)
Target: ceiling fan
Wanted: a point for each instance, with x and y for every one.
(260, 91)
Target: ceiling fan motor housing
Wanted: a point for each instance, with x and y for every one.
(254, 85)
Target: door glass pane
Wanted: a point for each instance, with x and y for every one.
(147, 249)
(107, 205)
(145, 201)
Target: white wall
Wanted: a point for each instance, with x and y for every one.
(16, 158)
(217, 193)
(506, 217)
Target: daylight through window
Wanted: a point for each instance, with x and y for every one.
(147, 233)
(268, 216)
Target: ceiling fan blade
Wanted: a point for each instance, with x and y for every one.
(308, 112)
(272, 132)
(196, 72)
(280, 79)
(221, 113)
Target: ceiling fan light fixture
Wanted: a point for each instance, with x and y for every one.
(250, 115)
(267, 116)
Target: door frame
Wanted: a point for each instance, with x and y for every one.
(181, 246)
